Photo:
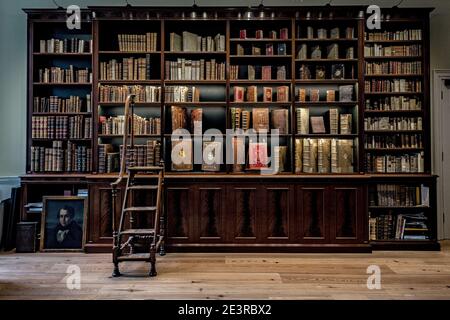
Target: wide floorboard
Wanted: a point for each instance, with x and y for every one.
(404, 275)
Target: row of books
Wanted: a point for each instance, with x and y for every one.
(321, 72)
(141, 125)
(259, 34)
(69, 45)
(185, 69)
(191, 42)
(397, 195)
(54, 104)
(138, 42)
(336, 123)
(61, 127)
(393, 123)
(119, 94)
(256, 72)
(141, 155)
(74, 158)
(396, 85)
(394, 104)
(378, 50)
(317, 95)
(413, 226)
(323, 33)
(394, 141)
(269, 49)
(61, 75)
(180, 119)
(250, 94)
(260, 119)
(128, 69)
(407, 34)
(406, 163)
(255, 158)
(324, 156)
(182, 94)
(393, 67)
(330, 52)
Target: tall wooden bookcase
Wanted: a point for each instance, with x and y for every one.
(225, 210)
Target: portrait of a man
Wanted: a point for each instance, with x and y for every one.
(63, 223)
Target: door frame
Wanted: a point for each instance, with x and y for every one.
(437, 146)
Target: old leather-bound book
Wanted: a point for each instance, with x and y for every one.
(257, 153)
(197, 121)
(310, 155)
(280, 120)
(179, 118)
(298, 155)
(280, 153)
(324, 156)
(182, 155)
(252, 94)
(261, 119)
(238, 147)
(212, 155)
(302, 120)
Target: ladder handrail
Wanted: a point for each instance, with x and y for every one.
(129, 101)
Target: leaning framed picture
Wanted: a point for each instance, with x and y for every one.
(63, 224)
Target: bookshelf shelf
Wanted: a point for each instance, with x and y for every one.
(169, 53)
(64, 139)
(394, 58)
(326, 103)
(258, 81)
(129, 82)
(45, 54)
(62, 113)
(392, 131)
(393, 93)
(406, 112)
(136, 136)
(326, 40)
(205, 104)
(129, 52)
(261, 104)
(122, 104)
(326, 135)
(195, 81)
(399, 208)
(327, 81)
(393, 75)
(325, 60)
(259, 40)
(392, 150)
(75, 84)
(261, 56)
(393, 41)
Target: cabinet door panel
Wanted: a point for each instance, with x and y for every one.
(179, 214)
(244, 213)
(313, 215)
(210, 214)
(276, 213)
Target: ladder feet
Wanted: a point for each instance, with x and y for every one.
(153, 273)
(116, 273)
(162, 251)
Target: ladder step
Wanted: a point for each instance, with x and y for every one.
(138, 232)
(154, 168)
(143, 187)
(141, 209)
(135, 257)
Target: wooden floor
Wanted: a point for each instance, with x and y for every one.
(404, 275)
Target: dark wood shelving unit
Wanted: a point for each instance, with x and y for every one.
(226, 210)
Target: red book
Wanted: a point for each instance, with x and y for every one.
(284, 33)
(238, 94)
(259, 34)
(243, 34)
(258, 158)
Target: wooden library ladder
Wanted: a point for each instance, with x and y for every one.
(125, 238)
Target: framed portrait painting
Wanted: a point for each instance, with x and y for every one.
(63, 224)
